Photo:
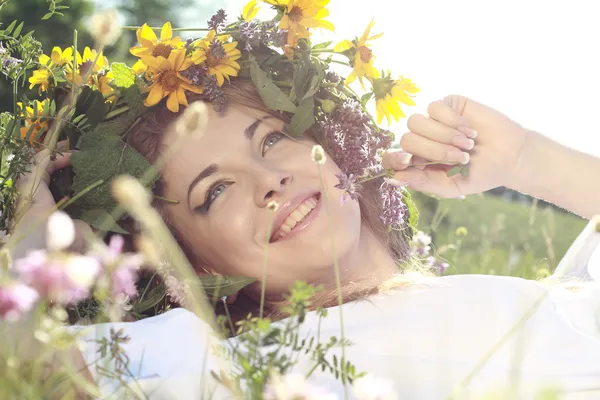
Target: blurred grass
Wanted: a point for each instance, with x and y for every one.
(487, 234)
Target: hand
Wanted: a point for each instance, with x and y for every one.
(36, 202)
(458, 131)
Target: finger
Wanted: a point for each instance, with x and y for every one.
(396, 159)
(427, 180)
(449, 113)
(438, 132)
(431, 150)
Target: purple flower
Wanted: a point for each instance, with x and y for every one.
(216, 49)
(15, 300)
(214, 93)
(438, 266)
(254, 34)
(393, 208)
(421, 244)
(217, 21)
(333, 77)
(61, 278)
(122, 267)
(249, 33)
(196, 74)
(349, 185)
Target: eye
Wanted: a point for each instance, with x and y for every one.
(215, 191)
(270, 140)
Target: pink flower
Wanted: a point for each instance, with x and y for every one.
(122, 267)
(15, 300)
(61, 278)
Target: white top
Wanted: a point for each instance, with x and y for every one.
(479, 333)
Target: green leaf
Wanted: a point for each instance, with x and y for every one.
(52, 107)
(17, 31)
(48, 15)
(124, 77)
(465, 171)
(413, 211)
(323, 45)
(224, 285)
(10, 28)
(302, 70)
(273, 97)
(455, 170)
(304, 117)
(102, 220)
(104, 157)
(135, 100)
(365, 98)
(151, 298)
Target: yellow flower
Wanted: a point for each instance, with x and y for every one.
(301, 15)
(218, 56)
(38, 126)
(152, 46)
(389, 94)
(168, 80)
(102, 83)
(363, 56)
(61, 57)
(91, 59)
(250, 10)
(42, 77)
(139, 67)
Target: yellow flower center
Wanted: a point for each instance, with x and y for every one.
(366, 54)
(168, 80)
(162, 49)
(295, 14)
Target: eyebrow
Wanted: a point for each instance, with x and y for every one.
(205, 173)
(251, 130)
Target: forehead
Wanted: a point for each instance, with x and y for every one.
(226, 140)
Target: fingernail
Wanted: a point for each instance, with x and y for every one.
(403, 158)
(396, 182)
(463, 142)
(472, 133)
(458, 156)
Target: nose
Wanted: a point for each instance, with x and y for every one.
(272, 185)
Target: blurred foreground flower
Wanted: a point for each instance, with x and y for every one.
(120, 267)
(105, 28)
(15, 300)
(294, 387)
(369, 387)
(421, 244)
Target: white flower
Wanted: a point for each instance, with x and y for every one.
(193, 121)
(60, 231)
(273, 206)
(318, 154)
(370, 387)
(105, 28)
(82, 270)
(294, 387)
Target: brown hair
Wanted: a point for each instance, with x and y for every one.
(146, 137)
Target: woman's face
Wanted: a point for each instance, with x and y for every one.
(224, 182)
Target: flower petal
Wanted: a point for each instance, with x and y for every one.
(148, 34)
(181, 96)
(155, 96)
(166, 33)
(172, 103)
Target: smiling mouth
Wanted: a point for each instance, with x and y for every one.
(298, 219)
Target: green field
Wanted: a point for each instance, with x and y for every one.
(502, 237)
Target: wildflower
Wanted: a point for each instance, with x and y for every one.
(193, 121)
(349, 185)
(273, 206)
(60, 231)
(217, 21)
(393, 208)
(369, 387)
(102, 82)
(122, 267)
(250, 11)
(363, 56)
(176, 290)
(42, 77)
(218, 56)
(40, 127)
(438, 266)
(389, 93)
(294, 387)
(60, 57)
(214, 93)
(15, 300)
(58, 277)
(301, 15)
(139, 67)
(130, 192)
(318, 154)
(105, 28)
(151, 46)
(421, 244)
(168, 81)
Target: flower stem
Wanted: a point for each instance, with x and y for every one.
(336, 269)
(116, 112)
(263, 284)
(165, 199)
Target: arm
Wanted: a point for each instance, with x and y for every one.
(558, 174)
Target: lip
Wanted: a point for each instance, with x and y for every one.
(288, 208)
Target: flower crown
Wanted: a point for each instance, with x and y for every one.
(290, 73)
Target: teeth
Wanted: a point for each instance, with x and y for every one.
(297, 215)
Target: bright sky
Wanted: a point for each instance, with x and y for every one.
(535, 60)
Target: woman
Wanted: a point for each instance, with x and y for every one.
(431, 337)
